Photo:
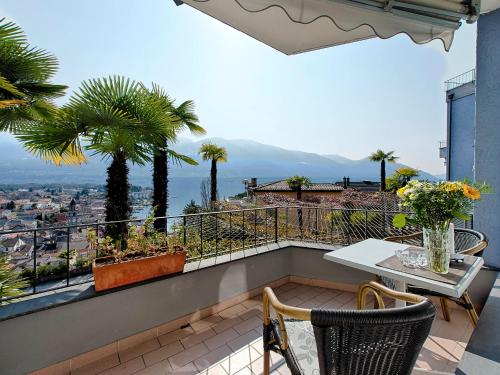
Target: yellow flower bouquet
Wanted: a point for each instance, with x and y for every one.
(434, 206)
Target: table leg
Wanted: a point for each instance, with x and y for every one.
(400, 286)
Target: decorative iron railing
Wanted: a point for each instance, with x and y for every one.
(58, 257)
(460, 80)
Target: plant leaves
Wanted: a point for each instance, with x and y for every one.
(460, 215)
(399, 220)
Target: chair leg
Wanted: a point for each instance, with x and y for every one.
(267, 364)
(471, 309)
(444, 307)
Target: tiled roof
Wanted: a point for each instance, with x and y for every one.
(283, 186)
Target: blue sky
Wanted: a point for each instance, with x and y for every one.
(347, 100)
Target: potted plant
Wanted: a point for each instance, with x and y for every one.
(148, 255)
(433, 206)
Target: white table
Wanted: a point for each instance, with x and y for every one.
(366, 254)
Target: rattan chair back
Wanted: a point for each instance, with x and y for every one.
(467, 241)
(376, 342)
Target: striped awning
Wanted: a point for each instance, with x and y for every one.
(295, 26)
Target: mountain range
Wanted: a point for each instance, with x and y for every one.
(246, 159)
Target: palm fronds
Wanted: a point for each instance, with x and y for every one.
(25, 71)
(11, 284)
(178, 158)
(11, 32)
(210, 151)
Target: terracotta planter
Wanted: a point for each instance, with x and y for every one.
(109, 276)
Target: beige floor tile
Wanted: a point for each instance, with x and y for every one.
(338, 301)
(138, 350)
(243, 340)
(285, 287)
(258, 345)
(212, 358)
(294, 301)
(221, 339)
(282, 370)
(183, 358)
(204, 324)
(310, 304)
(160, 368)
(126, 368)
(226, 323)
(251, 312)
(255, 301)
(232, 311)
(163, 353)
(244, 371)
(276, 359)
(307, 292)
(257, 366)
(288, 295)
(216, 370)
(197, 337)
(188, 369)
(233, 344)
(241, 359)
(170, 337)
(248, 325)
(350, 305)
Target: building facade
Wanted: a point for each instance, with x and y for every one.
(474, 130)
(458, 150)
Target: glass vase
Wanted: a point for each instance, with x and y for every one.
(437, 244)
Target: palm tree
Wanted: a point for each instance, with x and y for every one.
(113, 117)
(216, 154)
(405, 174)
(383, 157)
(26, 93)
(400, 178)
(181, 118)
(296, 183)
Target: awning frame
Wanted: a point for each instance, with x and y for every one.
(414, 10)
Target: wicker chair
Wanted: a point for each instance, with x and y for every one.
(467, 242)
(348, 342)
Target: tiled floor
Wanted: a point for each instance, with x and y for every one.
(230, 342)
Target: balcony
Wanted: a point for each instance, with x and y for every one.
(230, 341)
(208, 318)
(443, 150)
(460, 80)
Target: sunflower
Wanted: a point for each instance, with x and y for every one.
(471, 192)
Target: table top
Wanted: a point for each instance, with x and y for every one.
(366, 254)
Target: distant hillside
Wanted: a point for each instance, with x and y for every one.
(246, 159)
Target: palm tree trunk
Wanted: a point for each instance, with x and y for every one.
(382, 175)
(299, 212)
(117, 201)
(213, 183)
(160, 188)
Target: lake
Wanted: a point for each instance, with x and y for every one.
(183, 189)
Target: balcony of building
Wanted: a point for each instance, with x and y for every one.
(208, 319)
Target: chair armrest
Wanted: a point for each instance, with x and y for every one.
(480, 246)
(269, 300)
(380, 291)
